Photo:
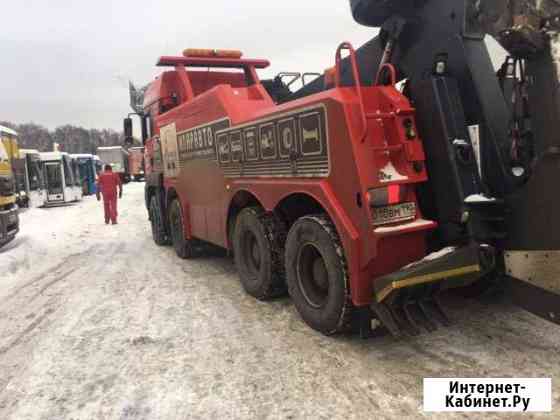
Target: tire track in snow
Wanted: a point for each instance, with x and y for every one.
(53, 270)
(27, 306)
(36, 322)
(57, 279)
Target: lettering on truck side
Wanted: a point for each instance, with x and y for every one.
(291, 144)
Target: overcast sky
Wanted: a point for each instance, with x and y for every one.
(68, 61)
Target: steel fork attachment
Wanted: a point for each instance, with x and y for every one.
(409, 316)
(407, 301)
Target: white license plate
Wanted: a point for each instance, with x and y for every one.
(393, 214)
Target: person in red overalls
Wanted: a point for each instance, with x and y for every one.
(107, 184)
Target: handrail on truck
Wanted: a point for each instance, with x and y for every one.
(356, 75)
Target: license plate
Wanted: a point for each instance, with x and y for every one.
(12, 218)
(393, 214)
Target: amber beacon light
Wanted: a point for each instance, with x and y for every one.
(198, 52)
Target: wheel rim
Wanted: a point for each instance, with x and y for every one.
(251, 252)
(312, 275)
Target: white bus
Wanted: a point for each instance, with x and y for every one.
(31, 188)
(59, 177)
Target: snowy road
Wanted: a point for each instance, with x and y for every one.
(96, 322)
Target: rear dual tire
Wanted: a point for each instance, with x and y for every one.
(309, 260)
(317, 275)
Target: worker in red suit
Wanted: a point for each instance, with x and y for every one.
(108, 183)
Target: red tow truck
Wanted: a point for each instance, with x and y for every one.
(317, 196)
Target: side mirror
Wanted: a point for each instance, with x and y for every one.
(127, 126)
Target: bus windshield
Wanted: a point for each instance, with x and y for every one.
(35, 175)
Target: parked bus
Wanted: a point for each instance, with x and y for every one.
(30, 181)
(88, 173)
(117, 157)
(57, 168)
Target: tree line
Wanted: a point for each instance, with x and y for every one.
(70, 138)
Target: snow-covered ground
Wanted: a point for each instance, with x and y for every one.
(97, 322)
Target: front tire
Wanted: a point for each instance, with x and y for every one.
(156, 219)
(317, 276)
(258, 253)
(183, 246)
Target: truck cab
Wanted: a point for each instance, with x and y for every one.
(59, 178)
(9, 219)
(31, 181)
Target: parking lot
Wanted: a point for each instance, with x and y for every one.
(98, 322)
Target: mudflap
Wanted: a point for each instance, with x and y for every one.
(406, 302)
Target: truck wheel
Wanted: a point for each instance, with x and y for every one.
(183, 246)
(317, 275)
(258, 253)
(156, 219)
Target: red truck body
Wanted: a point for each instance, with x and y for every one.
(218, 144)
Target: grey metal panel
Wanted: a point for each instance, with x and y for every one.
(539, 268)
